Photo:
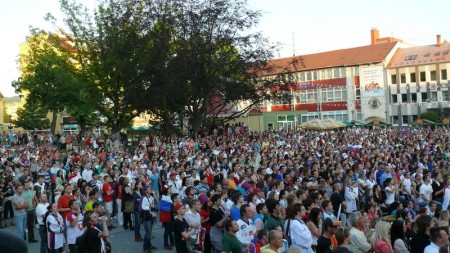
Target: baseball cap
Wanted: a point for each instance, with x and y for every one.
(173, 174)
(165, 187)
(330, 222)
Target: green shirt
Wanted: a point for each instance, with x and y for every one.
(230, 243)
(88, 205)
(28, 196)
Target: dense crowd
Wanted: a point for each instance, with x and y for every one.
(232, 190)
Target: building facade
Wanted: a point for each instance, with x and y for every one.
(345, 85)
(419, 82)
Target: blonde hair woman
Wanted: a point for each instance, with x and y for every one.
(443, 218)
(382, 243)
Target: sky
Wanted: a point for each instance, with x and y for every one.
(298, 26)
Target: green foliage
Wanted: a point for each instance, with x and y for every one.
(429, 115)
(32, 116)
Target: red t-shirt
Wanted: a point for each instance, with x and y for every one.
(107, 187)
(63, 202)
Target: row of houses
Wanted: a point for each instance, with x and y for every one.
(388, 81)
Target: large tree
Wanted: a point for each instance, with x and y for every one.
(32, 117)
(50, 78)
(170, 58)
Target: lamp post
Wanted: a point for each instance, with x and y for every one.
(10, 123)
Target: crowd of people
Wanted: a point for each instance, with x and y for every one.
(233, 190)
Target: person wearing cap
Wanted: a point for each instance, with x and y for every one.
(181, 229)
(327, 241)
(174, 183)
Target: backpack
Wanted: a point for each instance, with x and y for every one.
(81, 243)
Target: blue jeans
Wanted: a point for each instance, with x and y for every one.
(137, 224)
(148, 234)
(21, 222)
(43, 236)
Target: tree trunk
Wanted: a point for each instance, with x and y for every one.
(54, 118)
(195, 126)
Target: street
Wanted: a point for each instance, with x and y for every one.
(121, 240)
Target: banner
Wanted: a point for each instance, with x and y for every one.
(372, 82)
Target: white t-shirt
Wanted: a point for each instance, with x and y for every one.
(407, 183)
(246, 232)
(74, 232)
(390, 196)
(425, 190)
(41, 209)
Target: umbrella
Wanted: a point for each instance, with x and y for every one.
(322, 124)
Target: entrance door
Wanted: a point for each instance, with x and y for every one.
(288, 125)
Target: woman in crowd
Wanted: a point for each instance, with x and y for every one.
(126, 197)
(205, 221)
(166, 216)
(137, 194)
(216, 219)
(383, 240)
(55, 229)
(314, 225)
(398, 240)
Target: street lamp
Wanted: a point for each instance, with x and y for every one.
(10, 123)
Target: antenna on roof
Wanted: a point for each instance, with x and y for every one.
(293, 44)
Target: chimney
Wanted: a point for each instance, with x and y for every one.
(438, 40)
(374, 36)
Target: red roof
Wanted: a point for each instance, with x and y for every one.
(421, 55)
(343, 57)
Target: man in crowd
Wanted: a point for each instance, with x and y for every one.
(247, 229)
(147, 203)
(28, 194)
(41, 209)
(63, 201)
(359, 241)
(20, 206)
(74, 225)
(108, 194)
(327, 241)
(230, 243)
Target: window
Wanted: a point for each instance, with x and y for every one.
(403, 78)
(426, 55)
(445, 96)
(393, 79)
(404, 98)
(343, 72)
(410, 57)
(308, 76)
(306, 97)
(437, 53)
(336, 73)
(405, 119)
(281, 118)
(394, 98)
(302, 76)
(334, 94)
(412, 76)
(424, 96)
(356, 71)
(395, 120)
(433, 75)
(443, 74)
(434, 95)
(415, 117)
(414, 97)
(316, 76)
(423, 76)
(358, 93)
(329, 73)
